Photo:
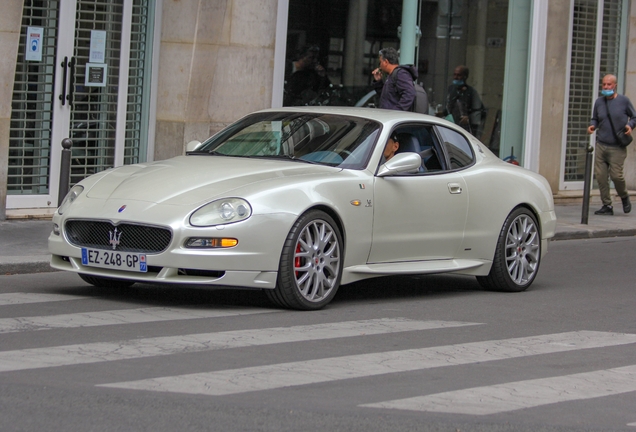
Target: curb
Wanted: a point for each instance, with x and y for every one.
(591, 234)
(25, 265)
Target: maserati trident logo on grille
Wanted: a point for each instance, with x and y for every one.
(114, 238)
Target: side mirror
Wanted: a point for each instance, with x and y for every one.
(401, 163)
(193, 145)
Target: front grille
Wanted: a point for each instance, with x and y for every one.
(132, 237)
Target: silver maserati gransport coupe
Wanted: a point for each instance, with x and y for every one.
(298, 201)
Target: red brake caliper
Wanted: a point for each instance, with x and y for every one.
(297, 259)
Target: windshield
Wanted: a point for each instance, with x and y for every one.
(325, 139)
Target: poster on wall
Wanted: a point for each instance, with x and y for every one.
(97, 52)
(34, 44)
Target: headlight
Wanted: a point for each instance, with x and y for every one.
(224, 211)
(70, 197)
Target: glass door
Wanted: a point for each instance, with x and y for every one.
(94, 74)
(597, 47)
(78, 89)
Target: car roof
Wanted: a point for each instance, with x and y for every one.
(389, 118)
(377, 114)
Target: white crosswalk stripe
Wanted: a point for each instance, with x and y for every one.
(522, 394)
(162, 346)
(25, 298)
(358, 366)
(125, 316)
(485, 400)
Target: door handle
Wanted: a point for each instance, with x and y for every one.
(65, 68)
(71, 81)
(454, 188)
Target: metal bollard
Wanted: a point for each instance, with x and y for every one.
(65, 170)
(586, 184)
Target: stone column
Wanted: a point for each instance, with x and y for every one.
(216, 65)
(554, 86)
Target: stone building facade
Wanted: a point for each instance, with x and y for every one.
(179, 70)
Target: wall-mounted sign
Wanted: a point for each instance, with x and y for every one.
(98, 47)
(96, 74)
(495, 42)
(34, 44)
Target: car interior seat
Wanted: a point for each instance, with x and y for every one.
(430, 160)
(409, 143)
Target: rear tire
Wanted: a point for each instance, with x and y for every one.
(103, 282)
(517, 254)
(310, 266)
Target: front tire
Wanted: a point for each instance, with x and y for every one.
(102, 282)
(517, 255)
(310, 266)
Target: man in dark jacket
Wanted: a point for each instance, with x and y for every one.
(612, 113)
(463, 102)
(397, 92)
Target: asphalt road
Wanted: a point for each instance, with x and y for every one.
(432, 353)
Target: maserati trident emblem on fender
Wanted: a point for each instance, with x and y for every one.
(114, 238)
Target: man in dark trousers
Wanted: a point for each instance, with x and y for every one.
(612, 113)
(397, 92)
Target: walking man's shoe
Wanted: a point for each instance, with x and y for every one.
(606, 211)
(627, 206)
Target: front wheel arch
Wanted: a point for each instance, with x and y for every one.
(311, 263)
(336, 218)
(517, 253)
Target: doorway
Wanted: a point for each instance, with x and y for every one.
(89, 80)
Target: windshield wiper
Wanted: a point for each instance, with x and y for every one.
(283, 156)
(288, 157)
(280, 156)
(205, 153)
(294, 158)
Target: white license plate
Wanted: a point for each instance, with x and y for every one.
(114, 260)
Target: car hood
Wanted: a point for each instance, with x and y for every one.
(187, 180)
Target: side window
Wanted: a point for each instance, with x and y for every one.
(430, 154)
(460, 153)
(402, 140)
(421, 139)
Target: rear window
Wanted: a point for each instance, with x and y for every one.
(460, 153)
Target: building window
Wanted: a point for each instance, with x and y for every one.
(332, 48)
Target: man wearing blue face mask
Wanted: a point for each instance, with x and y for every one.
(613, 113)
(463, 102)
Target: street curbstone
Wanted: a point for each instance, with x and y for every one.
(25, 265)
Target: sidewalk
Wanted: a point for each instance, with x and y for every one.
(23, 242)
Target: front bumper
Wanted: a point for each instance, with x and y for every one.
(174, 275)
(253, 263)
